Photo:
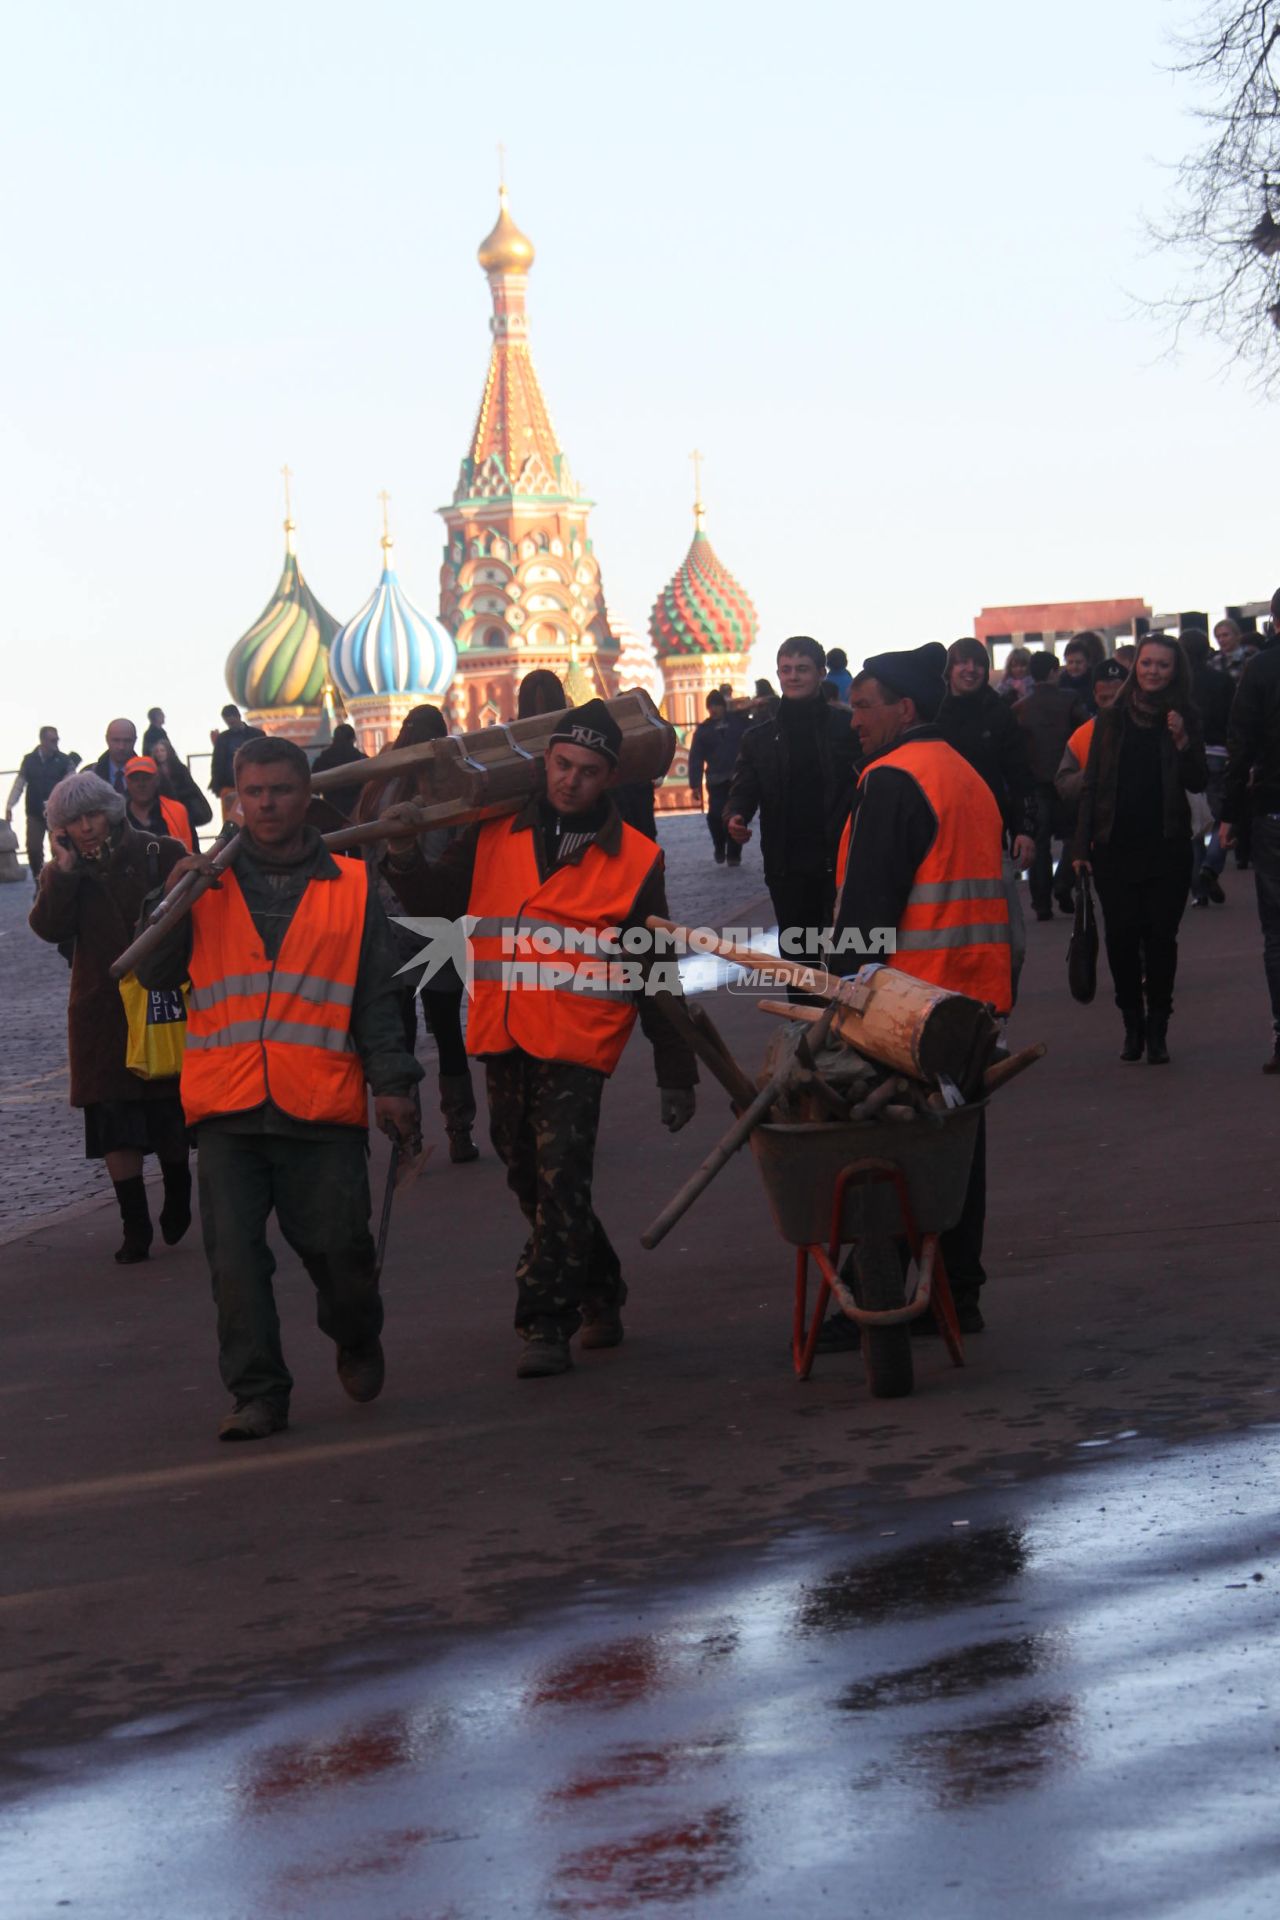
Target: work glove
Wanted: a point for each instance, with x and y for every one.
(678, 1105)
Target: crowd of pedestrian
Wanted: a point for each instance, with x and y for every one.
(908, 798)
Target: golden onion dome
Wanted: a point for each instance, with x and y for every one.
(506, 249)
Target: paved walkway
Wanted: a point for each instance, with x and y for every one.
(165, 1596)
(42, 1139)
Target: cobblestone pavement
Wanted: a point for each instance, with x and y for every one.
(42, 1138)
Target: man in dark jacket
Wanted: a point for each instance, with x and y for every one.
(122, 745)
(1251, 791)
(38, 775)
(713, 752)
(222, 777)
(1050, 714)
(342, 751)
(797, 768)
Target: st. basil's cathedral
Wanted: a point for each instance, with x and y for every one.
(520, 586)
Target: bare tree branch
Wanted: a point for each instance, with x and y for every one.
(1223, 222)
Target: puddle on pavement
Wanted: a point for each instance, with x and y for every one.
(1055, 1697)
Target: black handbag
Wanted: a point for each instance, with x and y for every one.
(1082, 951)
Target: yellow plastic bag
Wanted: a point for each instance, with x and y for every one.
(157, 1018)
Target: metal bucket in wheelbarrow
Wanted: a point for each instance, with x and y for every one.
(799, 1164)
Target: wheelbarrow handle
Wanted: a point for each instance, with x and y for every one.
(719, 1157)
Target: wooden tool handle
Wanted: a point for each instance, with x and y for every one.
(1006, 1070)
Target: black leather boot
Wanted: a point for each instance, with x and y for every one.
(175, 1214)
(458, 1105)
(131, 1196)
(1157, 1032)
(1135, 1033)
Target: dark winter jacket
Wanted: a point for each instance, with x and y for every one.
(1253, 741)
(984, 731)
(225, 748)
(1181, 773)
(762, 780)
(1213, 693)
(97, 904)
(713, 751)
(1050, 716)
(37, 777)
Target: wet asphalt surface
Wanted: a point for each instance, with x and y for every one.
(674, 1636)
(1060, 1700)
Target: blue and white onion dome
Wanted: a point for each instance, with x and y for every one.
(392, 647)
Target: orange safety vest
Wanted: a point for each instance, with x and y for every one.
(258, 1030)
(842, 854)
(557, 1004)
(954, 929)
(1080, 742)
(178, 822)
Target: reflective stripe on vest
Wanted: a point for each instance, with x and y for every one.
(524, 997)
(259, 1032)
(177, 822)
(954, 930)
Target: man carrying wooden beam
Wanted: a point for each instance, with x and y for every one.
(546, 891)
(294, 1016)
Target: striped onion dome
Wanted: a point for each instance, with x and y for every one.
(390, 646)
(283, 659)
(702, 609)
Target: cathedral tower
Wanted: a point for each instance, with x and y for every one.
(520, 587)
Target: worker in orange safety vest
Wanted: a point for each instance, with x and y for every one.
(924, 866)
(552, 896)
(294, 1016)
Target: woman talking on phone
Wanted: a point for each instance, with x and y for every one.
(1133, 831)
(91, 892)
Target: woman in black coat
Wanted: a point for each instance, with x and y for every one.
(1134, 833)
(91, 892)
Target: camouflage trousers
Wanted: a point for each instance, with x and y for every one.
(543, 1119)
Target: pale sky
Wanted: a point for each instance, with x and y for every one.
(878, 263)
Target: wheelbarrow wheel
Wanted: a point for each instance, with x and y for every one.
(886, 1351)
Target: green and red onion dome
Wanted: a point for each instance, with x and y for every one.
(702, 609)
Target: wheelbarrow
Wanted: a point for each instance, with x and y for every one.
(870, 1185)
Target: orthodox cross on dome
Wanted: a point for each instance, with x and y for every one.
(286, 472)
(699, 511)
(387, 542)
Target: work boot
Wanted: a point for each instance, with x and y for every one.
(254, 1420)
(1157, 1030)
(601, 1326)
(458, 1105)
(131, 1197)
(542, 1355)
(362, 1370)
(1135, 1033)
(175, 1214)
(1213, 888)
